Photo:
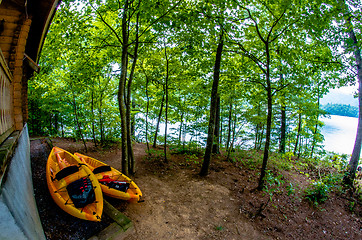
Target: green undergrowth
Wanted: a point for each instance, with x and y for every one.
(191, 153)
(324, 173)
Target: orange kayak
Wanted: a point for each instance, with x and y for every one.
(73, 186)
(113, 182)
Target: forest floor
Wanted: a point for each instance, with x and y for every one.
(181, 205)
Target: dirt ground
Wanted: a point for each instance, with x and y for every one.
(181, 205)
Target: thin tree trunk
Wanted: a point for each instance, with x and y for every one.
(181, 126)
(298, 133)
(315, 131)
(215, 147)
(231, 147)
(221, 143)
(229, 125)
(300, 146)
(147, 109)
(256, 141)
(62, 126)
(158, 121)
(78, 123)
(50, 123)
(166, 107)
(100, 111)
(261, 136)
(56, 124)
(93, 124)
(283, 128)
(214, 94)
(133, 121)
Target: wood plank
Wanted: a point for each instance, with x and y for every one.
(4, 39)
(5, 47)
(10, 18)
(9, 12)
(10, 26)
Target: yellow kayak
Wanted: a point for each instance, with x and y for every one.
(113, 183)
(73, 186)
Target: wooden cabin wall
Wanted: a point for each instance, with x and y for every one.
(14, 30)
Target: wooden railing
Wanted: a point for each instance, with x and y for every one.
(6, 100)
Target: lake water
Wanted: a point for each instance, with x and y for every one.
(339, 133)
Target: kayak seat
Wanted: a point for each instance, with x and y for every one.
(81, 192)
(102, 169)
(120, 186)
(66, 172)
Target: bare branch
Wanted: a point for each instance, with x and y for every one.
(256, 25)
(258, 82)
(280, 88)
(284, 29)
(256, 60)
(105, 22)
(269, 10)
(274, 25)
(162, 16)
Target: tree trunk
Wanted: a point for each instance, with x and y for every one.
(133, 121)
(215, 147)
(62, 126)
(300, 146)
(131, 160)
(214, 94)
(229, 125)
(78, 123)
(268, 121)
(260, 136)
(221, 143)
(283, 128)
(50, 123)
(158, 121)
(231, 147)
(147, 109)
(93, 124)
(181, 126)
(56, 123)
(353, 162)
(166, 107)
(100, 111)
(315, 131)
(256, 141)
(121, 90)
(298, 133)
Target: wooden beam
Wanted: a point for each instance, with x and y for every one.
(18, 2)
(31, 63)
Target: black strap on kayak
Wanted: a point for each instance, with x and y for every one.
(100, 169)
(66, 172)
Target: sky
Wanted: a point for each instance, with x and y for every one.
(346, 90)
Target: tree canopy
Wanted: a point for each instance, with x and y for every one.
(115, 70)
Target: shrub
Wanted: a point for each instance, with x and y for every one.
(272, 183)
(192, 159)
(317, 192)
(157, 153)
